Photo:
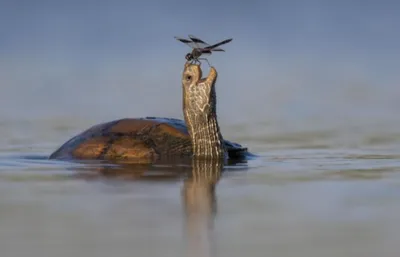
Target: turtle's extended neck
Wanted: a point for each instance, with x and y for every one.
(206, 137)
(200, 113)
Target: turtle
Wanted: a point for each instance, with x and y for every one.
(150, 139)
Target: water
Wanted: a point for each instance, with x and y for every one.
(310, 192)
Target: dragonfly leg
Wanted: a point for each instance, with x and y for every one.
(194, 61)
(191, 61)
(205, 60)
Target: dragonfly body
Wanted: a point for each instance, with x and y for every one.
(194, 55)
(200, 48)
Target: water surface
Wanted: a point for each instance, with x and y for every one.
(308, 193)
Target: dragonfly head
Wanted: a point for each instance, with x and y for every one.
(189, 57)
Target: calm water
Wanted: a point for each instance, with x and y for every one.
(311, 192)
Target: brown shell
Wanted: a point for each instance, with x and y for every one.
(141, 140)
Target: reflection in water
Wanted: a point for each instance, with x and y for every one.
(198, 192)
(200, 204)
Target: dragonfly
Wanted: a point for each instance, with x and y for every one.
(201, 48)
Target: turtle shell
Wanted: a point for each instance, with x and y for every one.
(140, 140)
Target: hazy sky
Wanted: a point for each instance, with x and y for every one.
(116, 53)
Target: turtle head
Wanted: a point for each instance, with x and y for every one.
(198, 93)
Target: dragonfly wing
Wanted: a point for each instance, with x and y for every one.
(188, 42)
(218, 44)
(217, 50)
(199, 43)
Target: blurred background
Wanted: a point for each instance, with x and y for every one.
(311, 86)
(323, 62)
